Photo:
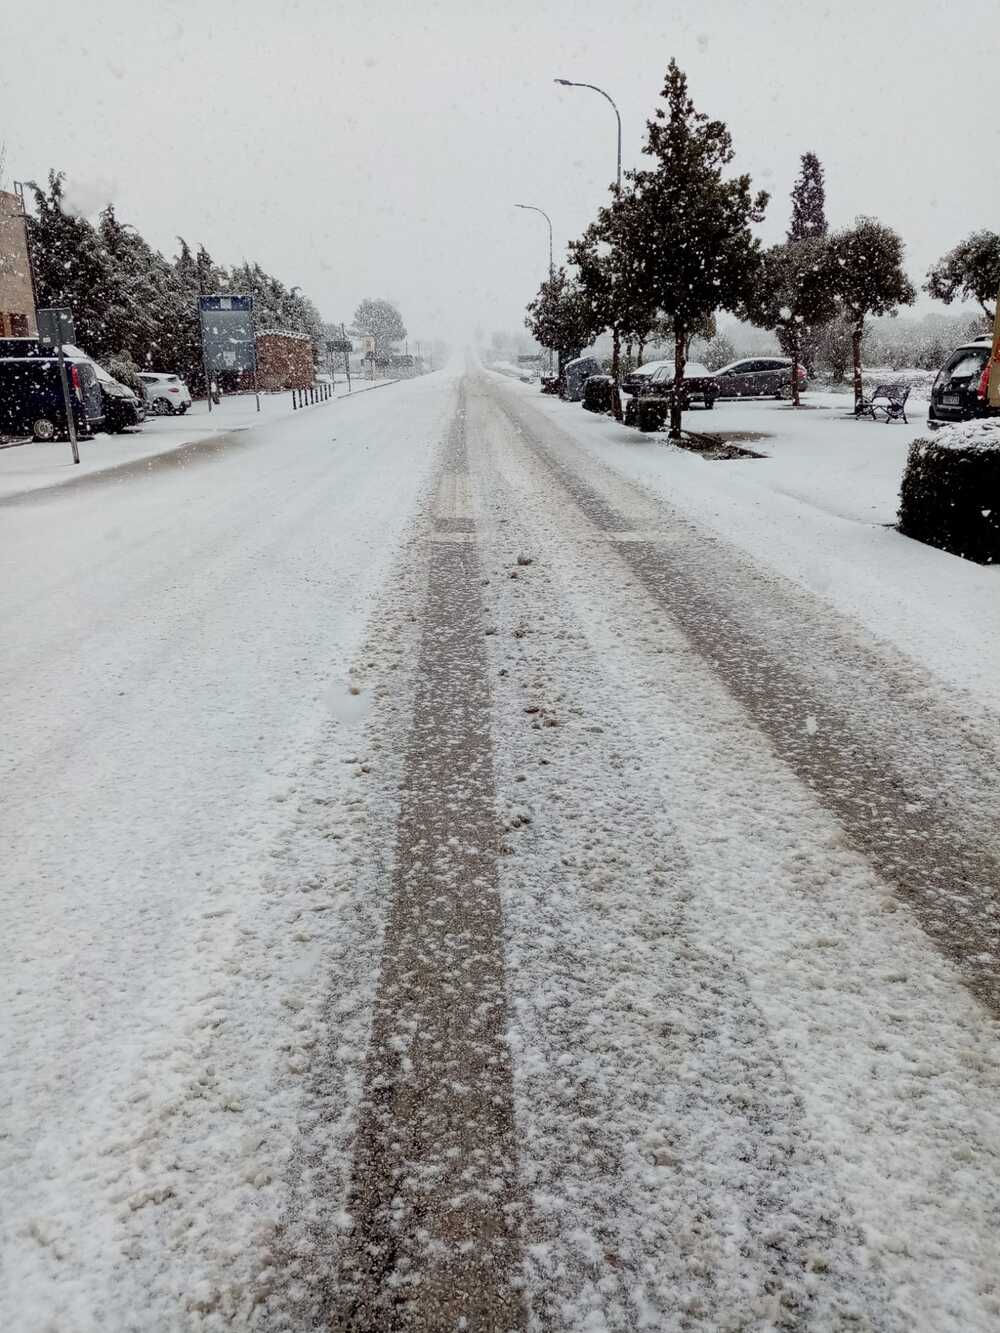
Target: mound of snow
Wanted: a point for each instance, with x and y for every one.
(979, 434)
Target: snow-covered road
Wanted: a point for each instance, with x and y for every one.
(687, 1012)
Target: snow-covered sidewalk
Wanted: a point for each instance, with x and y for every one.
(183, 831)
(819, 508)
(32, 466)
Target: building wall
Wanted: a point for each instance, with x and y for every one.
(17, 306)
(284, 361)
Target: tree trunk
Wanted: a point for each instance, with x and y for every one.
(795, 366)
(680, 359)
(642, 348)
(856, 335)
(616, 346)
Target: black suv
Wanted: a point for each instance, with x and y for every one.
(959, 392)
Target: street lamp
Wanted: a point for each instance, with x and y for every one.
(568, 83)
(532, 209)
(615, 336)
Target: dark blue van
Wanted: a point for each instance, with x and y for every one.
(31, 398)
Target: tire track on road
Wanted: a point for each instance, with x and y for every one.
(433, 1214)
(899, 810)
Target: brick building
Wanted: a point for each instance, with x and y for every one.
(284, 361)
(17, 304)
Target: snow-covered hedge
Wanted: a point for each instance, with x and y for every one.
(950, 496)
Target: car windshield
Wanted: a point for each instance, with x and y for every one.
(489, 842)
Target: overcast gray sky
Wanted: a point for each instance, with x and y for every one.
(378, 148)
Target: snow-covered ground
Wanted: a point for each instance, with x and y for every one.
(819, 508)
(32, 466)
(183, 829)
(753, 1083)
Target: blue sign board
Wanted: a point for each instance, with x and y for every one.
(228, 339)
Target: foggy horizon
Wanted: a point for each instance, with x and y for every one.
(381, 152)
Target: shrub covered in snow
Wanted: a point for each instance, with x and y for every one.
(950, 496)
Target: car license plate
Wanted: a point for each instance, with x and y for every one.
(951, 400)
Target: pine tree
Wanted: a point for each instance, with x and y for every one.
(808, 201)
(71, 266)
(700, 255)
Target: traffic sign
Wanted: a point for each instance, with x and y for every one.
(55, 326)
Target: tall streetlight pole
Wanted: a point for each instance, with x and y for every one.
(532, 209)
(568, 83)
(615, 336)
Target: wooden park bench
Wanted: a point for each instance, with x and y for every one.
(887, 398)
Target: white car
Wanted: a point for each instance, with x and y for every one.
(165, 394)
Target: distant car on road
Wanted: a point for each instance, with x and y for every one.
(165, 394)
(960, 391)
(758, 377)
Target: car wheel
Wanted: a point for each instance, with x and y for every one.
(43, 430)
(162, 407)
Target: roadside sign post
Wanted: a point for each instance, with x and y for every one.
(55, 327)
(228, 338)
(341, 344)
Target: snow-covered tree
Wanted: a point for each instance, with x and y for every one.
(870, 279)
(71, 266)
(969, 272)
(719, 351)
(563, 317)
(796, 293)
(808, 201)
(379, 319)
(699, 253)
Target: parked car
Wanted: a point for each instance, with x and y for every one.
(122, 407)
(960, 391)
(165, 394)
(635, 379)
(650, 407)
(758, 377)
(31, 395)
(575, 373)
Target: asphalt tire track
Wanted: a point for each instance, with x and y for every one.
(432, 1215)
